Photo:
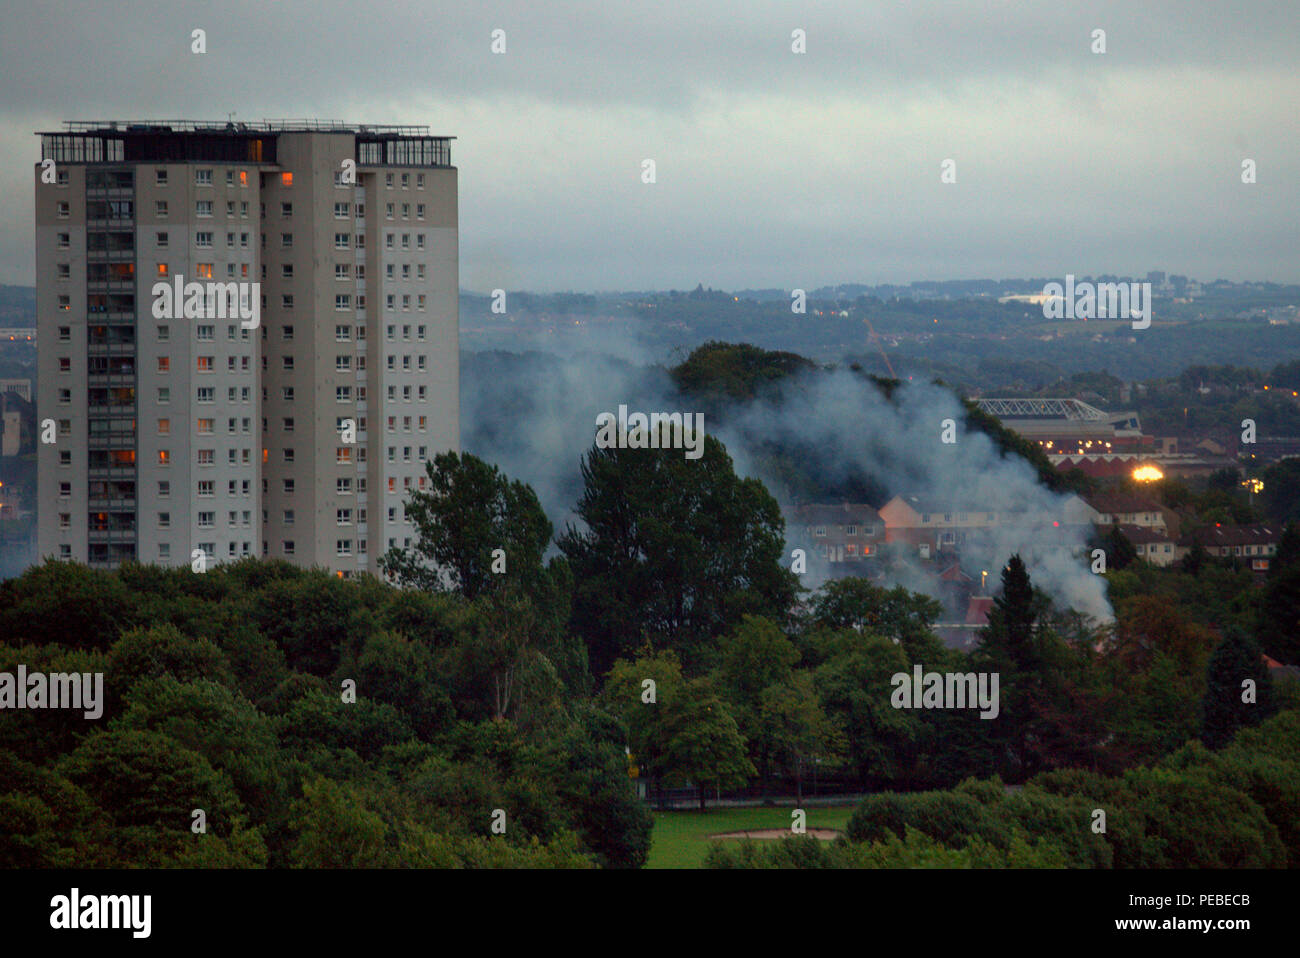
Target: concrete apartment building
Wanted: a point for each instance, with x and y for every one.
(187, 425)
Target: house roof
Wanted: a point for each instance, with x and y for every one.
(833, 514)
(1119, 503)
(977, 610)
(1142, 535)
(1219, 535)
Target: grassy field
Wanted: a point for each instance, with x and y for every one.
(681, 839)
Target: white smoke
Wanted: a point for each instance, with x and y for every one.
(535, 417)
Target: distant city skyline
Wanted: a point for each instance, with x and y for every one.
(774, 169)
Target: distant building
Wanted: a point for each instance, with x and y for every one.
(836, 533)
(23, 387)
(1156, 547)
(1255, 544)
(1127, 510)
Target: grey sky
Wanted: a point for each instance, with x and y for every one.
(774, 169)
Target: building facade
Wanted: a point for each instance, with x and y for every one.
(286, 404)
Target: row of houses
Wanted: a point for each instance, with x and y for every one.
(932, 529)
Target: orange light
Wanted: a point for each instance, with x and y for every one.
(243, 177)
(286, 179)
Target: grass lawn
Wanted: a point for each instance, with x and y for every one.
(681, 839)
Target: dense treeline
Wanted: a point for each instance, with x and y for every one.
(226, 692)
(1197, 808)
(492, 712)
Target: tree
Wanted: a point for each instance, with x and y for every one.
(1196, 558)
(1009, 646)
(470, 511)
(675, 550)
(1225, 709)
(703, 745)
(1120, 552)
(1279, 612)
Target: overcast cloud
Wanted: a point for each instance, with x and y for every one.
(774, 169)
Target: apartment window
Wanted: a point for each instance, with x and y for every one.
(341, 240)
(160, 208)
(343, 517)
(206, 457)
(203, 240)
(164, 457)
(63, 209)
(243, 209)
(160, 176)
(203, 208)
(390, 301)
(202, 177)
(342, 364)
(419, 211)
(204, 427)
(288, 547)
(288, 487)
(65, 457)
(343, 487)
(286, 179)
(286, 301)
(205, 333)
(164, 427)
(65, 302)
(388, 271)
(286, 209)
(207, 519)
(288, 363)
(342, 393)
(342, 301)
(422, 393)
(406, 241)
(342, 334)
(288, 455)
(419, 181)
(419, 241)
(388, 210)
(230, 213)
(162, 240)
(203, 364)
(343, 547)
(406, 211)
(286, 271)
(340, 211)
(206, 488)
(419, 271)
(65, 240)
(388, 241)
(341, 271)
(164, 364)
(206, 394)
(342, 455)
(65, 520)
